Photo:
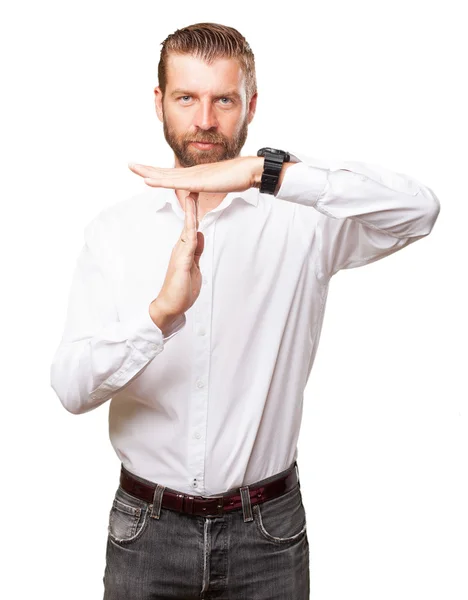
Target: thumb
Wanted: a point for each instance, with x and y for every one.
(194, 197)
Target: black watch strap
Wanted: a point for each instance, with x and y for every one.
(273, 164)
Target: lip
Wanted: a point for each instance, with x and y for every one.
(203, 145)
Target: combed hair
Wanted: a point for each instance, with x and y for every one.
(209, 41)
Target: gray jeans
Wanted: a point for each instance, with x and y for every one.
(257, 552)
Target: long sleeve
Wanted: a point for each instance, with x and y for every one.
(99, 354)
(369, 211)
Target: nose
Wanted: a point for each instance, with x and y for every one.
(205, 117)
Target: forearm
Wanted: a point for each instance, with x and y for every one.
(86, 372)
(100, 352)
(390, 202)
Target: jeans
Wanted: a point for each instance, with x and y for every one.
(257, 552)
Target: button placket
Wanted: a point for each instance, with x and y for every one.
(198, 415)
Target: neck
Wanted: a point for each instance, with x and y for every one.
(206, 201)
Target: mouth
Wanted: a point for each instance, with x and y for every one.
(203, 145)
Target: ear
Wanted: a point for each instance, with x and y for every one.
(252, 106)
(158, 100)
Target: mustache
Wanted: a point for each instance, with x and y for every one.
(206, 138)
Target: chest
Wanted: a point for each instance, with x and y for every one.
(251, 253)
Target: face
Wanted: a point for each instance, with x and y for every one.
(204, 103)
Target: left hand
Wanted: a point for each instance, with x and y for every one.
(233, 175)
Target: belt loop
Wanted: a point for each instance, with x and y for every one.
(188, 504)
(246, 505)
(297, 472)
(157, 501)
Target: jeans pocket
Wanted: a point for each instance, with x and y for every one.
(282, 520)
(128, 517)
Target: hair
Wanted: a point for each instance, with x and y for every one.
(209, 41)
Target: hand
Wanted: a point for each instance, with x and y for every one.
(234, 175)
(182, 284)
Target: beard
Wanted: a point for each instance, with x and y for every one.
(189, 156)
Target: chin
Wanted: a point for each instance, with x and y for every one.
(204, 157)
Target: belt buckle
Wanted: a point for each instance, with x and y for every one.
(219, 504)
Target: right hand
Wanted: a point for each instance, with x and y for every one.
(182, 284)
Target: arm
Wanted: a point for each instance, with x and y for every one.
(98, 354)
(368, 212)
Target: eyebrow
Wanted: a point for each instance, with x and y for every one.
(183, 92)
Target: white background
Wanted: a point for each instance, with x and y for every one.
(383, 447)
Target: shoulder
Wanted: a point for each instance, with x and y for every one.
(112, 221)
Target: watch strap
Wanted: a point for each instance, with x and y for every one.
(272, 166)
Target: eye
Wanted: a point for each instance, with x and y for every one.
(182, 97)
(228, 101)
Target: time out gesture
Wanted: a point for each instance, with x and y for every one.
(182, 284)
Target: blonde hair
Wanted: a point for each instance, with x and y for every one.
(209, 41)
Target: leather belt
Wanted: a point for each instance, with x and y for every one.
(209, 505)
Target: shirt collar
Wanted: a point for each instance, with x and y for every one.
(163, 196)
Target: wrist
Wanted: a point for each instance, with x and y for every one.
(257, 170)
(160, 316)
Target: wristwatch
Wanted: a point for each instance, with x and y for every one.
(272, 166)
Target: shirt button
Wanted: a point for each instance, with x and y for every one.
(200, 384)
(205, 280)
(197, 435)
(201, 331)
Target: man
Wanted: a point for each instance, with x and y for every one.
(196, 308)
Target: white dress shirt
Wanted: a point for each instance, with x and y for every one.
(217, 403)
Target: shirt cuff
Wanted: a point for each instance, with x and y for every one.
(303, 184)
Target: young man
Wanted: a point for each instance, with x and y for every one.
(196, 308)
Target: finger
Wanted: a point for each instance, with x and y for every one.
(145, 169)
(155, 176)
(185, 230)
(184, 233)
(199, 178)
(189, 232)
(175, 178)
(193, 209)
(195, 195)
